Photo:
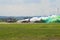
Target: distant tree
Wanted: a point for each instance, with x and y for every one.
(11, 19)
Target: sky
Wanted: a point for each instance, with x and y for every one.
(29, 7)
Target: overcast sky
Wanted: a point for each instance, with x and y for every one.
(28, 7)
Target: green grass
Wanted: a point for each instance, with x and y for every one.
(30, 31)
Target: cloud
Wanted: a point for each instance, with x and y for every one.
(28, 7)
(14, 2)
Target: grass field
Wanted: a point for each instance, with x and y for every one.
(30, 31)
